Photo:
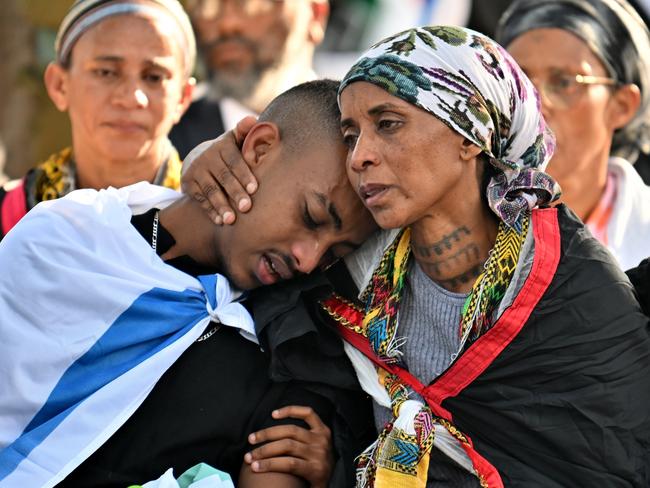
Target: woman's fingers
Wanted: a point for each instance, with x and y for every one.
(282, 447)
(292, 449)
(315, 467)
(278, 432)
(243, 127)
(215, 174)
(295, 466)
(300, 412)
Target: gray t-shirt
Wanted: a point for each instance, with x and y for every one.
(429, 319)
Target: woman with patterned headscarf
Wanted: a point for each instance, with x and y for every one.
(123, 74)
(500, 342)
(590, 61)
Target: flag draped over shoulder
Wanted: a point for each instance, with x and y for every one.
(90, 319)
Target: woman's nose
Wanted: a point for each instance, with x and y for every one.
(130, 94)
(362, 155)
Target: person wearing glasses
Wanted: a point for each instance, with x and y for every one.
(590, 61)
(252, 50)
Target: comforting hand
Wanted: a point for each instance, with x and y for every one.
(215, 174)
(291, 449)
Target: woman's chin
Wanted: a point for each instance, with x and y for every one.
(127, 151)
(389, 220)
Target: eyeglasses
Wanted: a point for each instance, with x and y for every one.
(211, 9)
(562, 90)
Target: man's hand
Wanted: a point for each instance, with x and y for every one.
(215, 171)
(291, 449)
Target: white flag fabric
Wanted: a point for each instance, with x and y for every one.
(90, 319)
(200, 476)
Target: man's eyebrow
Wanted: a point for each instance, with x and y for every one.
(345, 123)
(331, 209)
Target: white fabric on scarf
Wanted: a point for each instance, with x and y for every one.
(361, 264)
(90, 319)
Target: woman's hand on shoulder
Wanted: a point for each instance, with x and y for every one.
(306, 453)
(215, 174)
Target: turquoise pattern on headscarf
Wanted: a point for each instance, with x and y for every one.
(395, 75)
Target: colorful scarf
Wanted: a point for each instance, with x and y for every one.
(401, 453)
(57, 176)
(471, 84)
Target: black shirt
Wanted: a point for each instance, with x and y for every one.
(201, 122)
(201, 410)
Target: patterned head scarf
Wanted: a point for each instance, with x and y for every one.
(86, 13)
(614, 32)
(471, 84)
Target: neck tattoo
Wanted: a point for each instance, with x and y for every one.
(154, 234)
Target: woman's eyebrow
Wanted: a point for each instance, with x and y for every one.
(381, 108)
(376, 110)
(109, 58)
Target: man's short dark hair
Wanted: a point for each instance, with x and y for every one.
(305, 114)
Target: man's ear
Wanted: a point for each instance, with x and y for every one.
(468, 150)
(56, 84)
(260, 141)
(186, 98)
(623, 106)
(320, 11)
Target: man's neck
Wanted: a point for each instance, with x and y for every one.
(193, 231)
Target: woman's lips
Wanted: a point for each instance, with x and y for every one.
(372, 193)
(125, 126)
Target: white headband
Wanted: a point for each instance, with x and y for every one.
(86, 13)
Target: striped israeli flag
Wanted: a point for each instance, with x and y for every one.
(90, 319)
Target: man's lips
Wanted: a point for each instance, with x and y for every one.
(232, 52)
(272, 268)
(372, 193)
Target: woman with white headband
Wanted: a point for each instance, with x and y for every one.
(122, 101)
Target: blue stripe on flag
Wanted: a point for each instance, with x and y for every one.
(155, 320)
